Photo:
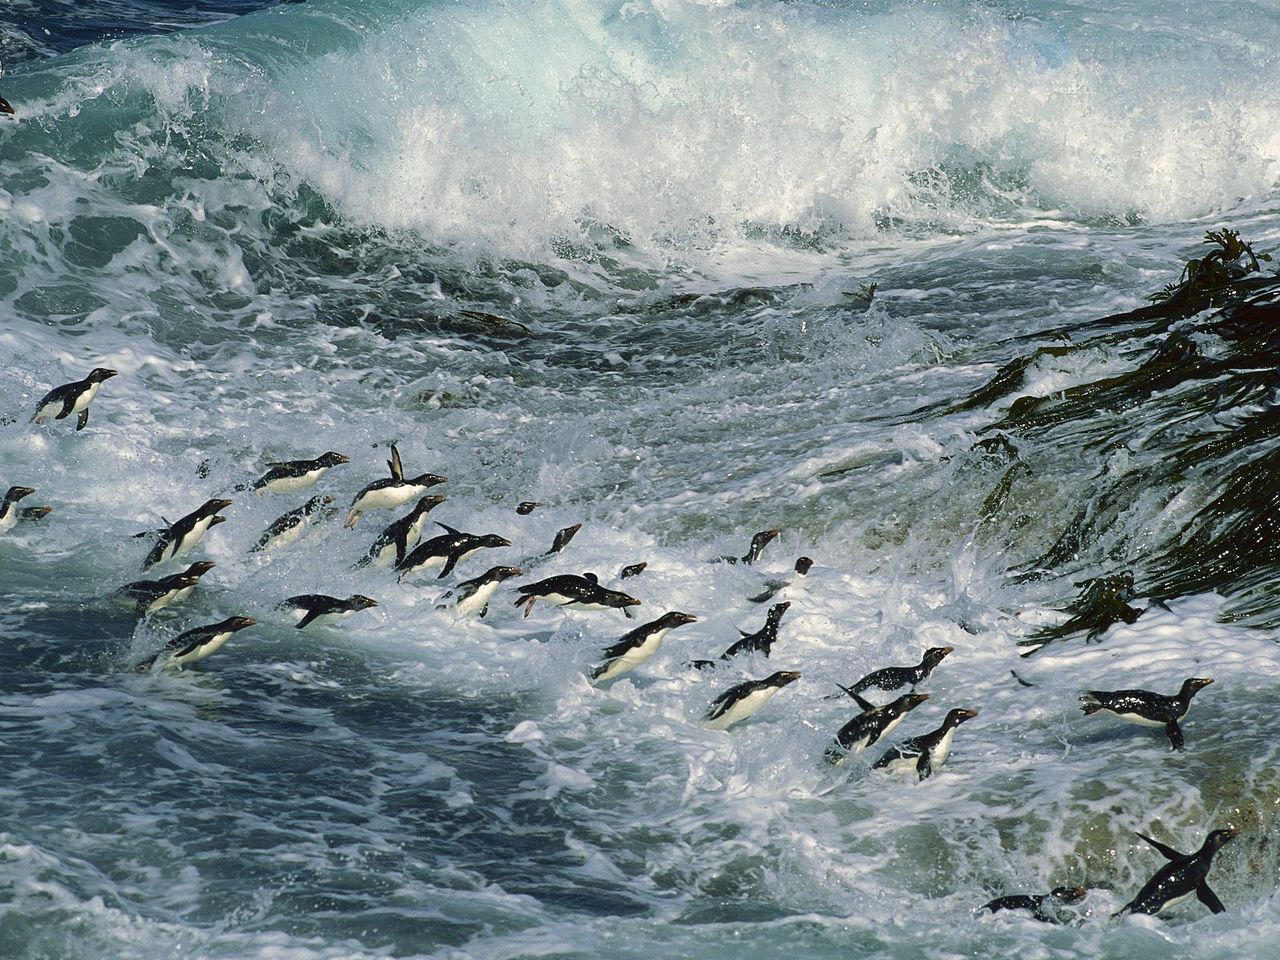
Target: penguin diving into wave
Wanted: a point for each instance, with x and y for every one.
(1185, 874)
(195, 645)
(60, 402)
(390, 492)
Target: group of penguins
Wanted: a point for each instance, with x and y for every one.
(401, 547)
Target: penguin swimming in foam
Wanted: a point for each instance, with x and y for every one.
(772, 587)
(927, 752)
(527, 507)
(402, 535)
(570, 590)
(871, 725)
(474, 595)
(390, 492)
(6, 107)
(9, 509)
(60, 402)
(312, 608)
(741, 701)
(149, 595)
(195, 645)
(288, 527)
(632, 570)
(1146, 708)
(762, 640)
(758, 543)
(1184, 875)
(638, 645)
(293, 476)
(1041, 905)
(890, 679)
(447, 550)
(562, 539)
(34, 514)
(181, 537)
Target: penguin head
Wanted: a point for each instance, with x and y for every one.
(239, 623)
(782, 678)
(957, 717)
(427, 480)
(778, 609)
(909, 701)
(493, 540)
(502, 573)
(199, 568)
(427, 504)
(358, 601)
(935, 655)
(1218, 837)
(1068, 894)
(527, 507)
(1193, 685)
(331, 459)
(15, 494)
(214, 505)
(98, 374)
(803, 564)
(677, 618)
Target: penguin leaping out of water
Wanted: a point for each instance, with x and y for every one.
(1039, 904)
(925, 753)
(447, 550)
(1146, 708)
(1185, 874)
(60, 402)
(9, 510)
(758, 543)
(390, 492)
(890, 679)
(772, 587)
(180, 538)
(474, 595)
(151, 595)
(293, 476)
(401, 535)
(638, 645)
(197, 644)
(311, 608)
(579, 592)
(871, 725)
(288, 527)
(741, 701)
(763, 639)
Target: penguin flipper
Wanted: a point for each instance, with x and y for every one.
(923, 766)
(1209, 898)
(1167, 852)
(450, 562)
(310, 616)
(396, 467)
(402, 547)
(447, 529)
(84, 419)
(626, 612)
(1175, 734)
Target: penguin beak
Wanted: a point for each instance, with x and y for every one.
(787, 676)
(239, 623)
(963, 715)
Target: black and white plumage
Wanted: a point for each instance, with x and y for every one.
(1146, 708)
(474, 595)
(762, 640)
(181, 537)
(562, 539)
(197, 644)
(288, 527)
(526, 507)
(293, 476)
(1040, 904)
(149, 595)
(390, 492)
(61, 402)
(741, 701)
(570, 590)
(927, 752)
(401, 535)
(871, 725)
(632, 570)
(890, 679)
(5, 106)
(447, 550)
(772, 587)
(1185, 874)
(758, 543)
(638, 645)
(34, 514)
(311, 608)
(9, 509)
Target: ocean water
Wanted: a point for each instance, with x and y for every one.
(617, 258)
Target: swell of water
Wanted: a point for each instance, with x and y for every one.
(611, 257)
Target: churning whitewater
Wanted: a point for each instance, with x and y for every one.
(539, 450)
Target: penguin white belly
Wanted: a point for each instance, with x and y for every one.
(385, 498)
(942, 749)
(904, 764)
(201, 652)
(477, 601)
(9, 519)
(633, 657)
(291, 484)
(743, 708)
(1139, 720)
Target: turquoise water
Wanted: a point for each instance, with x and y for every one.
(615, 258)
